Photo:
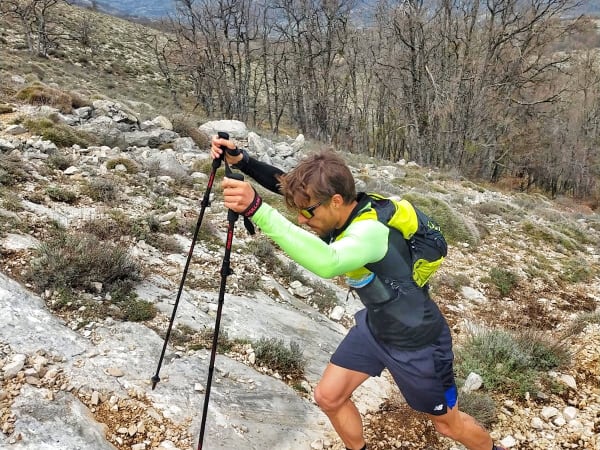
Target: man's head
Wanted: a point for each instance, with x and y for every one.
(321, 188)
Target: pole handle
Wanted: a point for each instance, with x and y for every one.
(217, 162)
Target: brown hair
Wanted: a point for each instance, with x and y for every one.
(320, 175)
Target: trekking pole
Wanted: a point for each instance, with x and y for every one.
(232, 216)
(204, 203)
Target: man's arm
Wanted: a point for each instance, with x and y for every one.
(363, 242)
(265, 174)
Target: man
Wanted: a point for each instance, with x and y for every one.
(400, 329)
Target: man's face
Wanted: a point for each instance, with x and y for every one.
(320, 217)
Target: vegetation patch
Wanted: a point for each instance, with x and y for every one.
(10, 201)
(186, 127)
(576, 270)
(59, 194)
(515, 363)
(479, 406)
(60, 161)
(287, 361)
(503, 279)
(77, 260)
(581, 321)
(545, 235)
(12, 170)
(40, 94)
(129, 164)
(101, 190)
(60, 134)
(453, 226)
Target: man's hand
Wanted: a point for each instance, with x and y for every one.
(240, 196)
(216, 150)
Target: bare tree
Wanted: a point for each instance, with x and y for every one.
(36, 21)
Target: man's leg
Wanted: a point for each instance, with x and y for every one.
(462, 428)
(332, 394)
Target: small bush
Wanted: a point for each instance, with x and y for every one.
(454, 281)
(10, 201)
(581, 321)
(516, 363)
(60, 134)
(167, 244)
(60, 161)
(503, 279)
(264, 250)
(101, 190)
(12, 170)
(59, 194)
(185, 127)
(105, 228)
(287, 361)
(76, 260)
(576, 270)
(479, 406)
(136, 310)
(130, 165)
(205, 338)
(40, 94)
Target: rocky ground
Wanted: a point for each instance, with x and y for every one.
(96, 371)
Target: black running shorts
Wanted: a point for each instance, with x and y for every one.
(425, 376)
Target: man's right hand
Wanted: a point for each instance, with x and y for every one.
(217, 146)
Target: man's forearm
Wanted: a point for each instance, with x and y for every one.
(264, 174)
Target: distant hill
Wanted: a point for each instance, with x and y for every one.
(142, 9)
(156, 9)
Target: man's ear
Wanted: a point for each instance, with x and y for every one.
(337, 200)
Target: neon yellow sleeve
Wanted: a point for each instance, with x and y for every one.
(363, 242)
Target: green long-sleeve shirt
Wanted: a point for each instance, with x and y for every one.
(363, 242)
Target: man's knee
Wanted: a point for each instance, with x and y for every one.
(327, 400)
(443, 428)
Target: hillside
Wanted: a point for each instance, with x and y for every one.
(153, 10)
(99, 171)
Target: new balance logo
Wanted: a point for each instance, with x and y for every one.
(438, 407)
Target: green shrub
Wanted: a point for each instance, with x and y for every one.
(453, 280)
(204, 339)
(105, 228)
(576, 270)
(503, 279)
(264, 250)
(136, 310)
(167, 244)
(10, 201)
(12, 170)
(287, 361)
(76, 260)
(59, 194)
(60, 161)
(479, 406)
(40, 94)
(101, 190)
(514, 363)
(60, 134)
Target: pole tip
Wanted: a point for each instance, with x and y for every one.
(155, 379)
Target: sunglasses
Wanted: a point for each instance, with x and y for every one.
(309, 212)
